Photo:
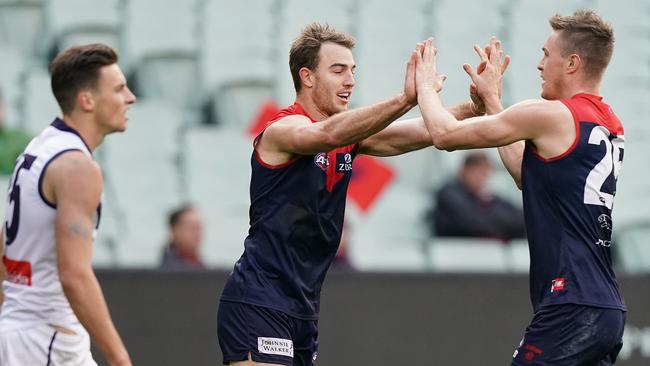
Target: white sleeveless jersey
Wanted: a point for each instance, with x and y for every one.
(33, 292)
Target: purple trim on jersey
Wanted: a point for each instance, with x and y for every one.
(60, 124)
(49, 349)
(40, 179)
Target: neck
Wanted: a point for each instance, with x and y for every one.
(86, 128)
(308, 104)
(589, 86)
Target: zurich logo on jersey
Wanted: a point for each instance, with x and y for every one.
(343, 162)
(322, 160)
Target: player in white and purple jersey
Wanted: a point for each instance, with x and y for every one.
(53, 305)
(565, 153)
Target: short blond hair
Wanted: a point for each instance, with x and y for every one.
(586, 34)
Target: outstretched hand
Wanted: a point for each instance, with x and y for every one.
(426, 75)
(410, 91)
(487, 78)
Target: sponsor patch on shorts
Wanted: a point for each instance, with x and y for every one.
(275, 346)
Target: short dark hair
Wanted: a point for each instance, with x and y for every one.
(175, 215)
(77, 68)
(304, 50)
(587, 35)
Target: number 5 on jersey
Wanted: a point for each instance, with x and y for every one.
(14, 198)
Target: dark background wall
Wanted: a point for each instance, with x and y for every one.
(366, 318)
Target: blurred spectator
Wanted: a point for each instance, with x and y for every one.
(185, 236)
(12, 143)
(466, 208)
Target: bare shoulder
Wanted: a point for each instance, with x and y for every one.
(540, 108)
(75, 164)
(73, 173)
(281, 130)
(291, 121)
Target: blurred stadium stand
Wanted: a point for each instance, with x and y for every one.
(218, 61)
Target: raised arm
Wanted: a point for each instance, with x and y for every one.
(548, 124)
(408, 135)
(297, 135)
(490, 71)
(74, 182)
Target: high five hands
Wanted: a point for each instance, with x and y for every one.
(486, 79)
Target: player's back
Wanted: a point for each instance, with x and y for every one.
(568, 205)
(32, 290)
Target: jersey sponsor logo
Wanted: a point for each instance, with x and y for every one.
(343, 162)
(605, 222)
(558, 284)
(531, 352)
(18, 272)
(275, 346)
(604, 243)
(322, 161)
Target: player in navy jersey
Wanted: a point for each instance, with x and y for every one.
(301, 167)
(565, 153)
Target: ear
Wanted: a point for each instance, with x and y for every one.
(306, 77)
(574, 63)
(85, 101)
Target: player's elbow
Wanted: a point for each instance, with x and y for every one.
(73, 277)
(443, 142)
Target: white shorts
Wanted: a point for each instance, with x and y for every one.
(44, 345)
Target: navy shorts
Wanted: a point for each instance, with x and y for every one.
(572, 335)
(270, 336)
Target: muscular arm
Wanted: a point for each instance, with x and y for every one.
(407, 135)
(547, 124)
(74, 183)
(297, 135)
(511, 155)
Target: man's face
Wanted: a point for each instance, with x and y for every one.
(552, 68)
(112, 98)
(333, 78)
(477, 176)
(187, 234)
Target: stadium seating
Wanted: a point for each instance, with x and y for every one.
(159, 47)
(73, 22)
(518, 256)
(631, 249)
(467, 255)
(228, 57)
(12, 65)
(21, 25)
(391, 236)
(141, 168)
(217, 166)
(4, 188)
(39, 105)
